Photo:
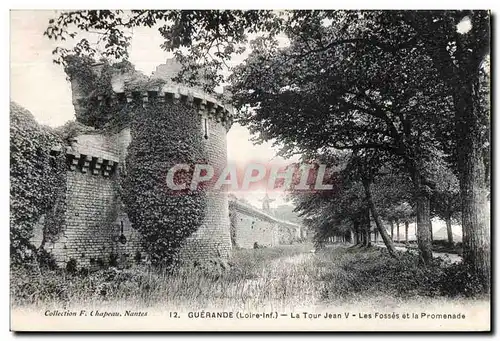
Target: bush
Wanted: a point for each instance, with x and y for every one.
(37, 182)
(459, 280)
(29, 287)
(46, 260)
(71, 266)
(113, 259)
(374, 272)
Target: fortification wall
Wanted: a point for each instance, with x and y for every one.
(94, 216)
(212, 239)
(252, 230)
(250, 225)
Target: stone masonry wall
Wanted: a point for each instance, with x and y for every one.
(212, 239)
(251, 230)
(94, 216)
(251, 225)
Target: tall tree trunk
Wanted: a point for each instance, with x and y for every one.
(369, 224)
(424, 238)
(423, 228)
(356, 232)
(391, 222)
(397, 230)
(475, 218)
(407, 226)
(368, 239)
(449, 231)
(376, 236)
(430, 228)
(469, 123)
(378, 222)
(473, 187)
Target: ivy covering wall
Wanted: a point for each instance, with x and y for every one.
(90, 86)
(163, 134)
(37, 182)
(94, 78)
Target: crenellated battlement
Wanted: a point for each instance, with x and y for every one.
(90, 164)
(152, 92)
(207, 106)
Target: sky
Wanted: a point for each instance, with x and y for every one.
(40, 86)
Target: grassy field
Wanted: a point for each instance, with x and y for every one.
(277, 278)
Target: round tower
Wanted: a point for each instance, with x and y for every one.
(212, 238)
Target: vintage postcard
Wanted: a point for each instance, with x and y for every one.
(250, 170)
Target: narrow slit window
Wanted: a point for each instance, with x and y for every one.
(205, 128)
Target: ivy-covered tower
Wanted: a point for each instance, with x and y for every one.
(144, 125)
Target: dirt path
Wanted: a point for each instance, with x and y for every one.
(448, 257)
(297, 259)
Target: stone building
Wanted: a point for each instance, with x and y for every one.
(96, 226)
(252, 227)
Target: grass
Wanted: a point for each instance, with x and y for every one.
(271, 278)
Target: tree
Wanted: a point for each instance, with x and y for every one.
(341, 212)
(366, 98)
(329, 213)
(395, 199)
(365, 166)
(287, 212)
(459, 54)
(403, 212)
(204, 40)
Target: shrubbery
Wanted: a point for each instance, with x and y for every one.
(196, 285)
(37, 182)
(459, 280)
(373, 272)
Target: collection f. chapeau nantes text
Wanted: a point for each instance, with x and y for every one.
(262, 315)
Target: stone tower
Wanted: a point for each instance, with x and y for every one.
(96, 224)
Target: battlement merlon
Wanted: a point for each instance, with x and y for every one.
(207, 105)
